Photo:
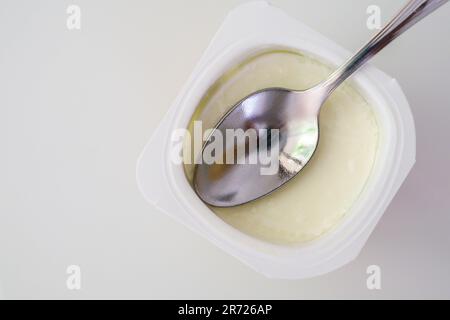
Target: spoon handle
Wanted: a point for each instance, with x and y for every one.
(410, 14)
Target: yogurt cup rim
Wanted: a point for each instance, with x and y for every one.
(353, 224)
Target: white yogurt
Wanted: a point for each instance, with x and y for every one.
(323, 193)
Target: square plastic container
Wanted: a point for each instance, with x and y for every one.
(248, 29)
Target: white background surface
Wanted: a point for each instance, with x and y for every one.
(77, 107)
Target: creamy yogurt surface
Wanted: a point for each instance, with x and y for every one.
(321, 195)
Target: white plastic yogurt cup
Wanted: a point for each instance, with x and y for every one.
(249, 29)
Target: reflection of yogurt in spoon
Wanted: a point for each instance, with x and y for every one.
(316, 200)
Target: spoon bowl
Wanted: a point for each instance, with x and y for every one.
(286, 131)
